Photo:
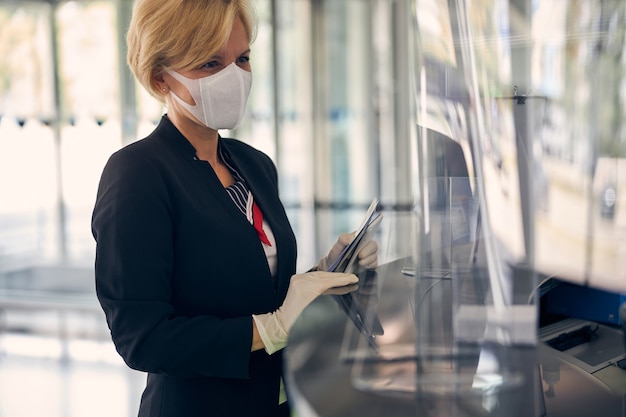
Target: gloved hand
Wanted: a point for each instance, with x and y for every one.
(367, 255)
(303, 289)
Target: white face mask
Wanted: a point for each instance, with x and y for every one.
(220, 98)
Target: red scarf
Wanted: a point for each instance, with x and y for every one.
(257, 222)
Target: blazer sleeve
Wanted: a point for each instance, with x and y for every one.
(133, 228)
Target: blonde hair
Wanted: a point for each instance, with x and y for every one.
(184, 33)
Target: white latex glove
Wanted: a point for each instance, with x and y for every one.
(367, 255)
(303, 289)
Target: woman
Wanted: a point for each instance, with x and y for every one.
(195, 260)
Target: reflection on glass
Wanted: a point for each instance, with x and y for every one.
(563, 135)
(520, 142)
(533, 95)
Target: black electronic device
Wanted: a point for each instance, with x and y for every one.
(368, 325)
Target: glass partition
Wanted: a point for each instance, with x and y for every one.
(546, 90)
(519, 133)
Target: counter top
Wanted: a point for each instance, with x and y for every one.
(324, 380)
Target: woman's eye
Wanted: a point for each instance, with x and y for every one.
(210, 65)
(242, 60)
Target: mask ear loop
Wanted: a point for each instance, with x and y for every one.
(197, 111)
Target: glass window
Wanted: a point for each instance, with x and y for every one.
(28, 180)
(90, 128)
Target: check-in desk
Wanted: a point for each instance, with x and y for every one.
(327, 379)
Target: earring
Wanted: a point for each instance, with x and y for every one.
(164, 89)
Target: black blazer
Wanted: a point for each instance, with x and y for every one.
(180, 271)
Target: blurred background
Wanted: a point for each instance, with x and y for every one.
(322, 106)
(340, 88)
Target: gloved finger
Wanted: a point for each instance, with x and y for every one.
(346, 289)
(343, 240)
(327, 280)
(368, 255)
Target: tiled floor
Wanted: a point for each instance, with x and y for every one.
(38, 380)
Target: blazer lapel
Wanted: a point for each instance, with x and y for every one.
(264, 192)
